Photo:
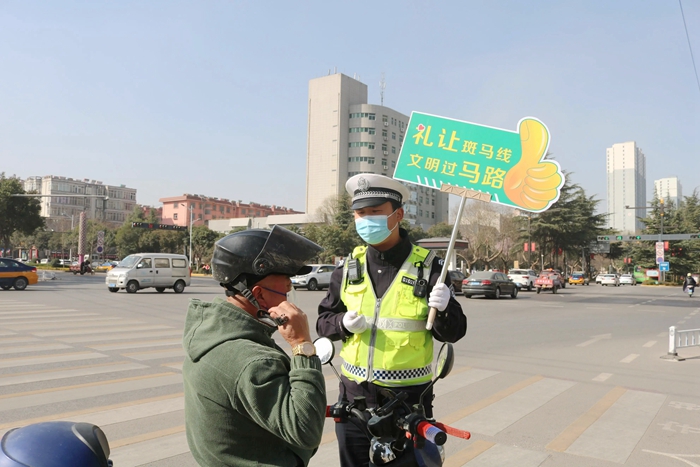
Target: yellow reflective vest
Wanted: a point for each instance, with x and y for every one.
(395, 349)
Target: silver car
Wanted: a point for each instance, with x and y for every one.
(318, 279)
(627, 279)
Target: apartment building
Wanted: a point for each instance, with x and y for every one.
(626, 186)
(178, 210)
(64, 198)
(669, 189)
(347, 136)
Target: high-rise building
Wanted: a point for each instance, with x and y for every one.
(69, 197)
(669, 189)
(347, 136)
(626, 171)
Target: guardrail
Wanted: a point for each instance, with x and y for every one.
(678, 339)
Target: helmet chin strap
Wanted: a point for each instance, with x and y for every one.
(262, 315)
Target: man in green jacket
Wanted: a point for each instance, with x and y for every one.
(247, 403)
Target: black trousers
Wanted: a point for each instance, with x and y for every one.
(353, 444)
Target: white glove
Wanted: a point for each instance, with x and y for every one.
(439, 297)
(354, 323)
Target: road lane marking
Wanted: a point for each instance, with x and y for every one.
(176, 366)
(135, 344)
(602, 377)
(681, 321)
(500, 455)
(90, 370)
(594, 339)
(22, 339)
(630, 358)
(32, 348)
(649, 344)
(562, 442)
(33, 318)
(101, 330)
(55, 358)
(504, 413)
(450, 419)
(109, 414)
(86, 390)
(119, 337)
(150, 451)
(156, 354)
(146, 436)
(471, 376)
(29, 312)
(465, 455)
(618, 431)
(663, 334)
(7, 333)
(69, 324)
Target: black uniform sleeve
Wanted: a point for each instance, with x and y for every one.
(331, 311)
(451, 324)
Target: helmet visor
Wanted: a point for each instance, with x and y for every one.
(285, 253)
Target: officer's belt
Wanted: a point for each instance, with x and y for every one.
(398, 324)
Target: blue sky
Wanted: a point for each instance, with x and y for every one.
(210, 97)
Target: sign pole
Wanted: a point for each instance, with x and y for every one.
(465, 194)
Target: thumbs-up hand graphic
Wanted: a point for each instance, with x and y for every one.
(533, 183)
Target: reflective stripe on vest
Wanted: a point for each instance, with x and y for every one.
(388, 375)
(396, 349)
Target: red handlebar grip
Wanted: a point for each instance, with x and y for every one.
(453, 431)
(432, 433)
(328, 411)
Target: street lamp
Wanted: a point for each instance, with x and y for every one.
(192, 221)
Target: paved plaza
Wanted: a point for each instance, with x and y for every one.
(572, 379)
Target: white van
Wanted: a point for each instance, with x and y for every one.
(143, 270)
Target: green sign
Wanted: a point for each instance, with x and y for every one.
(508, 165)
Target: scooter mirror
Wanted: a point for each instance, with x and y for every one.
(445, 360)
(324, 349)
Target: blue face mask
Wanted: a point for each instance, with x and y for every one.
(373, 229)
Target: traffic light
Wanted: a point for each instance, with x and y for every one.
(603, 239)
(694, 235)
(619, 237)
(637, 237)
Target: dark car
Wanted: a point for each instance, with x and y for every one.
(456, 278)
(489, 283)
(16, 274)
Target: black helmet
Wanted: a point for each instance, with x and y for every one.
(55, 444)
(259, 253)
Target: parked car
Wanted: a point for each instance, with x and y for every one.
(16, 274)
(318, 279)
(456, 277)
(489, 283)
(627, 279)
(143, 270)
(549, 280)
(578, 278)
(44, 261)
(610, 279)
(523, 278)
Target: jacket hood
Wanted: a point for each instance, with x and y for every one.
(209, 324)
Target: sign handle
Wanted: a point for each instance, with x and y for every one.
(443, 273)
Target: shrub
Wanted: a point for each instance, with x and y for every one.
(55, 263)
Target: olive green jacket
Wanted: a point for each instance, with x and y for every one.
(246, 402)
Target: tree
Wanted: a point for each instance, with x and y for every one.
(17, 214)
(203, 239)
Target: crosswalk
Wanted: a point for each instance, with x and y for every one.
(124, 374)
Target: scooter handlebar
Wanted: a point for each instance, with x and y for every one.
(432, 433)
(453, 431)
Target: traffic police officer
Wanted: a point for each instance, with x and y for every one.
(377, 304)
